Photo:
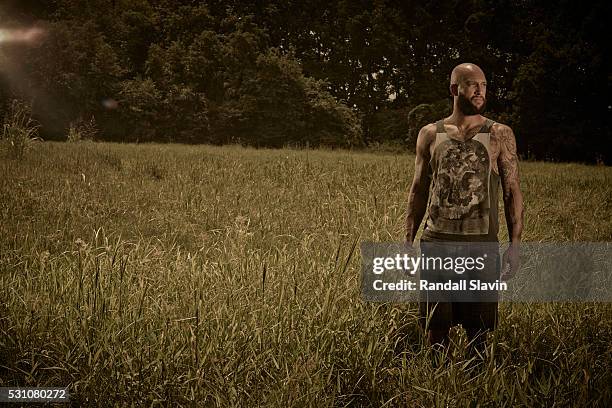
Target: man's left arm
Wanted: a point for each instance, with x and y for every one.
(507, 163)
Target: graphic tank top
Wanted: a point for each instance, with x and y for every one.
(464, 191)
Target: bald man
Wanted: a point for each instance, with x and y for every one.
(463, 158)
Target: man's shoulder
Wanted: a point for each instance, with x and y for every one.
(426, 137)
(500, 129)
(428, 130)
(502, 139)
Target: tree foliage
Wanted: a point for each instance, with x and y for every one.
(340, 73)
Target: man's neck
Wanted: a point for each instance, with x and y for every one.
(464, 122)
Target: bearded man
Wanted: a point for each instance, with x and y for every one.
(460, 161)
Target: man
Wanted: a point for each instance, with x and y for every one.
(465, 156)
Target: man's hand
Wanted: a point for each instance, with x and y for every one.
(409, 247)
(510, 262)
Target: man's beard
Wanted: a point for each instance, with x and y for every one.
(467, 107)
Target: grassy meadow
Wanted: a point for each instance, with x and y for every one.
(171, 275)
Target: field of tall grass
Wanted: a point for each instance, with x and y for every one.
(168, 275)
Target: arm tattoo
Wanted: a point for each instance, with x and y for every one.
(508, 159)
(513, 198)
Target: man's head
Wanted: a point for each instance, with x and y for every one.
(468, 86)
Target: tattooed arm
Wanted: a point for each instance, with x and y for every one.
(419, 190)
(507, 163)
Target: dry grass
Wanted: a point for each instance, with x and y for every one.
(167, 275)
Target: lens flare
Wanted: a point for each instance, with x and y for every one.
(20, 34)
(110, 103)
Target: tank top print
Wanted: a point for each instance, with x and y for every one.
(464, 191)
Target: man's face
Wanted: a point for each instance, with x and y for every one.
(471, 94)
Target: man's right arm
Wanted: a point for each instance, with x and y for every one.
(419, 190)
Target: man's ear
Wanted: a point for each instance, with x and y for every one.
(454, 89)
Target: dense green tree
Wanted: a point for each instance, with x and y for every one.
(336, 73)
(71, 73)
(278, 105)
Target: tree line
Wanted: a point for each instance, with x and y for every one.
(342, 73)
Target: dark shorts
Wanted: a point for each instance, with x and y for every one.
(471, 315)
(471, 309)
